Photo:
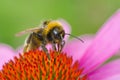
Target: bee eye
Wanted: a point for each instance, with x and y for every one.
(55, 32)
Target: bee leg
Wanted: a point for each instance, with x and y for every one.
(46, 51)
(61, 45)
(27, 42)
(58, 46)
(54, 46)
(25, 48)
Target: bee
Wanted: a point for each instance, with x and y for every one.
(50, 32)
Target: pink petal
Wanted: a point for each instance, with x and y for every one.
(76, 48)
(105, 45)
(6, 53)
(66, 27)
(115, 77)
(107, 72)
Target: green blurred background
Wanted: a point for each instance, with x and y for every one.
(85, 16)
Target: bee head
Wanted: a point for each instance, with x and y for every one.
(56, 34)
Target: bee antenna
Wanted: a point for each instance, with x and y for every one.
(75, 37)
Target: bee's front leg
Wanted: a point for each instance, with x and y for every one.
(45, 50)
(61, 45)
(54, 46)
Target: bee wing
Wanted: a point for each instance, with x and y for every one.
(27, 31)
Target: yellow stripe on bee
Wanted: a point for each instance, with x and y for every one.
(52, 25)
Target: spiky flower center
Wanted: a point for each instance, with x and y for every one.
(35, 65)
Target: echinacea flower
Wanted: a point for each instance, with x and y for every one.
(77, 61)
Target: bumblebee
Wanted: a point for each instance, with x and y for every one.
(51, 32)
